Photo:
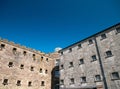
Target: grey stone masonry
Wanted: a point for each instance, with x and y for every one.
(93, 63)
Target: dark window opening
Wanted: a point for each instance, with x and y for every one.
(18, 83)
(14, 50)
(97, 78)
(61, 53)
(115, 75)
(83, 79)
(62, 67)
(40, 70)
(5, 82)
(109, 54)
(103, 36)
(79, 46)
(29, 83)
(21, 66)
(94, 58)
(46, 71)
(42, 83)
(118, 30)
(32, 68)
(2, 46)
(70, 49)
(81, 61)
(90, 42)
(41, 58)
(47, 59)
(62, 82)
(71, 64)
(10, 64)
(34, 58)
(72, 81)
(24, 53)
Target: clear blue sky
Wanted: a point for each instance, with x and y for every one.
(47, 24)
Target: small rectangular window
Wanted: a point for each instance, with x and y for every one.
(47, 59)
(61, 53)
(81, 61)
(70, 49)
(2, 46)
(29, 83)
(10, 64)
(94, 58)
(40, 70)
(32, 68)
(72, 81)
(42, 83)
(62, 82)
(41, 58)
(18, 83)
(109, 54)
(71, 64)
(24, 53)
(103, 36)
(83, 79)
(62, 67)
(14, 50)
(90, 41)
(34, 57)
(115, 75)
(79, 46)
(5, 82)
(118, 30)
(97, 78)
(21, 66)
(46, 71)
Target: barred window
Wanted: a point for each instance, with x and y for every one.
(115, 75)
(97, 78)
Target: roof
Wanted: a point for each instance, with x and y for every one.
(90, 37)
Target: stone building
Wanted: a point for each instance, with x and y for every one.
(24, 68)
(92, 63)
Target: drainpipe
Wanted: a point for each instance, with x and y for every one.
(101, 65)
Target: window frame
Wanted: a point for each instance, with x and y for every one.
(10, 64)
(81, 62)
(83, 79)
(108, 53)
(94, 58)
(114, 77)
(5, 82)
(103, 36)
(97, 78)
(72, 81)
(71, 64)
(18, 83)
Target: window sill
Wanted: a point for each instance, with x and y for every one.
(94, 60)
(81, 64)
(109, 56)
(72, 83)
(115, 79)
(103, 38)
(71, 66)
(98, 81)
(83, 82)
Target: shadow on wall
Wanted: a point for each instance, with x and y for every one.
(55, 78)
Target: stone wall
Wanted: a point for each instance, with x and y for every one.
(18, 63)
(104, 47)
